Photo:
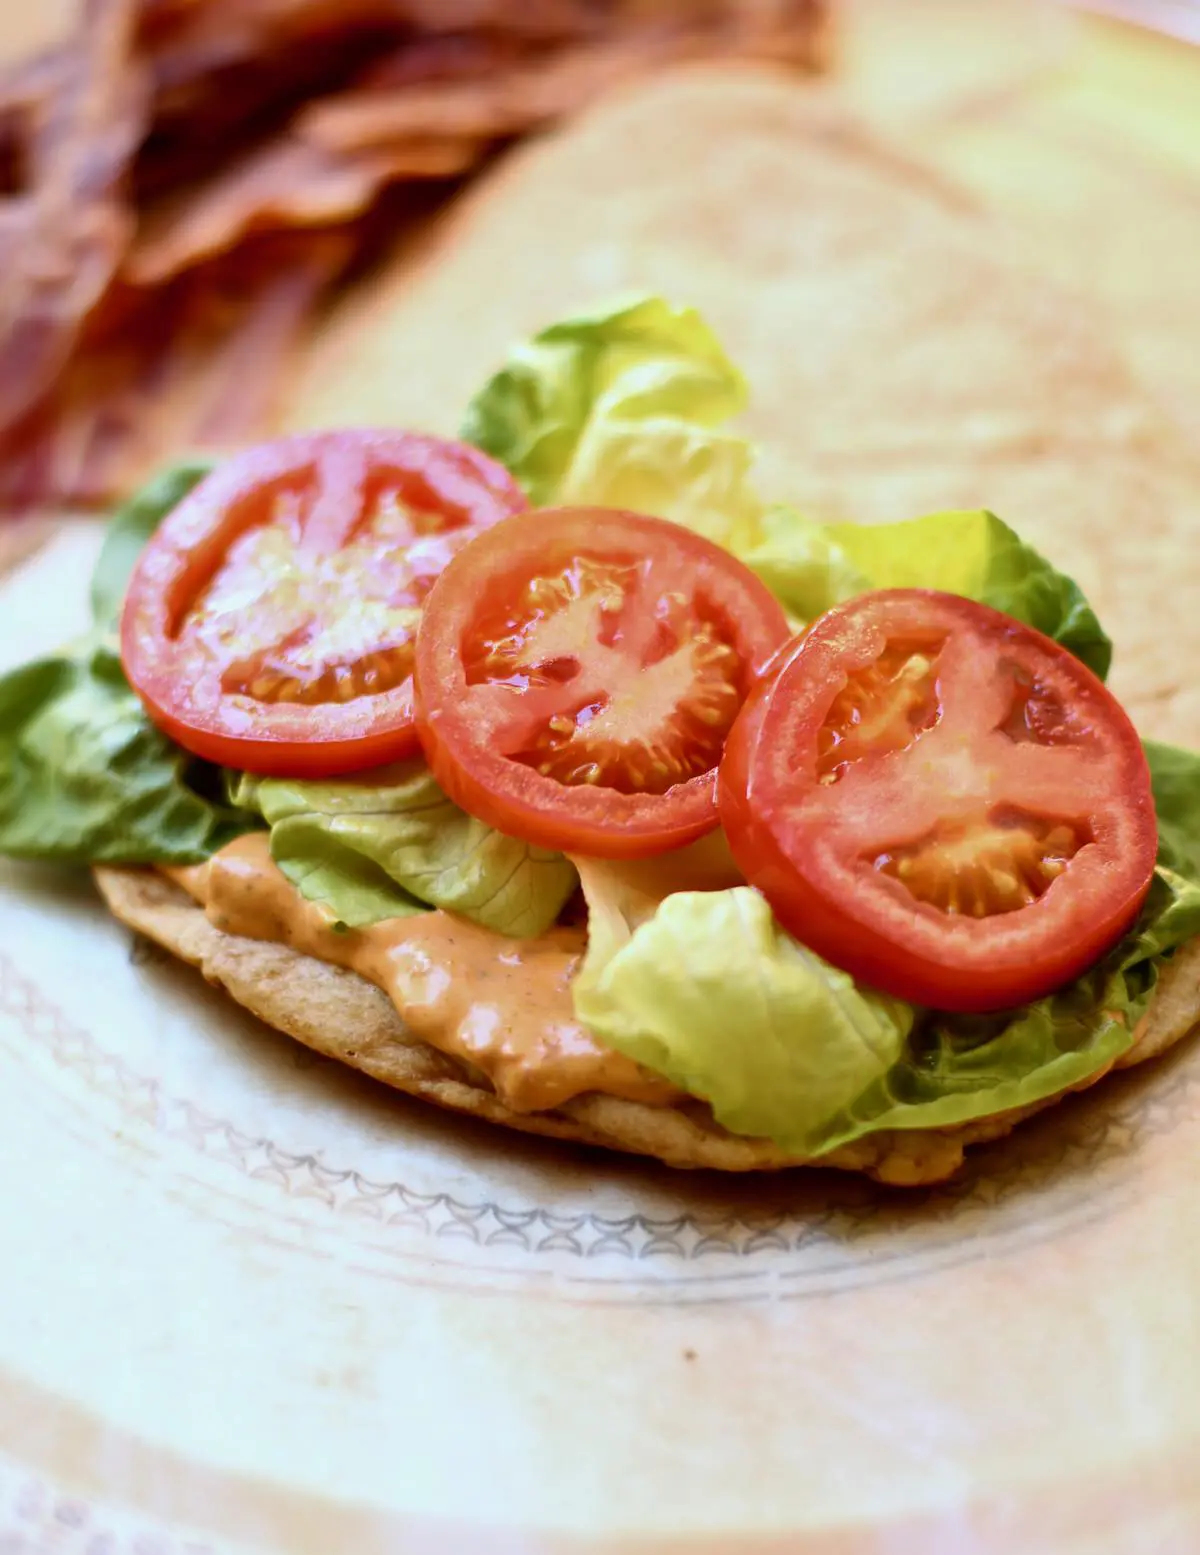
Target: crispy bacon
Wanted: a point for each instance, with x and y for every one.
(287, 184)
(64, 236)
(181, 180)
(188, 367)
(394, 103)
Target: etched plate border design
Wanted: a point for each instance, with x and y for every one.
(1100, 1136)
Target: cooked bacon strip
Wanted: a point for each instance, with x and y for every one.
(454, 57)
(228, 30)
(26, 467)
(503, 106)
(540, 88)
(64, 238)
(243, 377)
(225, 69)
(288, 184)
(190, 367)
(209, 381)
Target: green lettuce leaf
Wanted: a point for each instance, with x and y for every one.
(129, 530)
(713, 994)
(708, 990)
(811, 567)
(958, 1068)
(390, 843)
(1175, 775)
(622, 894)
(86, 778)
(622, 407)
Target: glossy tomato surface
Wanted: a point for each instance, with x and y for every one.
(577, 671)
(271, 620)
(941, 801)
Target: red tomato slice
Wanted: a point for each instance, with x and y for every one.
(577, 672)
(270, 622)
(941, 801)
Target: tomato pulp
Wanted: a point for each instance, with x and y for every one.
(577, 671)
(941, 801)
(270, 622)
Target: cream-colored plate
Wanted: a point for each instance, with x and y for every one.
(249, 1302)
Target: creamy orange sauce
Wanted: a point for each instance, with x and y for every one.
(503, 1005)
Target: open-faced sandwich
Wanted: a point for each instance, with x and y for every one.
(551, 776)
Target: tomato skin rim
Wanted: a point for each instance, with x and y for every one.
(281, 756)
(955, 968)
(331, 739)
(596, 821)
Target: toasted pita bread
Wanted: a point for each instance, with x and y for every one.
(341, 1015)
(901, 360)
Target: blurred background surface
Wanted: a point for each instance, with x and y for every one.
(188, 183)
